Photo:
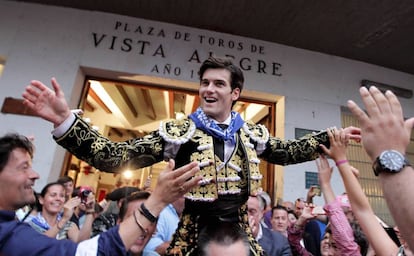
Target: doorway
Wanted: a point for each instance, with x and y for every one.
(123, 110)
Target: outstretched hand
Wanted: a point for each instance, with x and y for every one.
(173, 184)
(324, 170)
(46, 103)
(338, 140)
(69, 207)
(354, 133)
(383, 126)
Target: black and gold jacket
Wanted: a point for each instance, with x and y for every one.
(240, 174)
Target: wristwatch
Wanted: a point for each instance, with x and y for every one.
(390, 161)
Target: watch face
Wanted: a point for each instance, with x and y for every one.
(392, 160)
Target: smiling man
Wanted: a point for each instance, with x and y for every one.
(17, 178)
(226, 147)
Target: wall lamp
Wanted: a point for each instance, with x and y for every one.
(400, 92)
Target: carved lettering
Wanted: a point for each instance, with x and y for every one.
(212, 41)
(159, 51)
(138, 29)
(167, 70)
(136, 41)
(194, 57)
(97, 41)
(184, 36)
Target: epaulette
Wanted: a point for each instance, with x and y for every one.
(257, 132)
(177, 131)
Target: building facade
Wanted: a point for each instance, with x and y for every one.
(38, 42)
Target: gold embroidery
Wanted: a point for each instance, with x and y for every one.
(90, 146)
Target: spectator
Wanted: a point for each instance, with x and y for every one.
(295, 232)
(272, 242)
(36, 219)
(328, 246)
(166, 226)
(292, 218)
(224, 239)
(49, 219)
(127, 208)
(267, 215)
(290, 206)
(342, 232)
(384, 129)
(109, 218)
(81, 215)
(17, 178)
(280, 219)
(312, 231)
(69, 185)
(381, 243)
(299, 206)
(313, 191)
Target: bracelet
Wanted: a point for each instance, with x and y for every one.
(147, 214)
(144, 230)
(338, 163)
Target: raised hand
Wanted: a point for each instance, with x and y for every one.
(173, 184)
(338, 140)
(383, 126)
(324, 171)
(46, 103)
(306, 215)
(69, 207)
(354, 133)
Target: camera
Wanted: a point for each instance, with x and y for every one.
(84, 193)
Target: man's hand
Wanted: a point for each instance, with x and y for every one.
(383, 126)
(354, 133)
(173, 184)
(46, 103)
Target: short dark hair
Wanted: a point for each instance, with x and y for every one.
(10, 142)
(292, 212)
(236, 75)
(65, 179)
(280, 207)
(139, 195)
(222, 233)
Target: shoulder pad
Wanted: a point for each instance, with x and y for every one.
(177, 131)
(257, 132)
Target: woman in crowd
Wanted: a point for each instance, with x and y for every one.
(296, 230)
(378, 238)
(54, 213)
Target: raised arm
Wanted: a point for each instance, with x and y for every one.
(171, 185)
(306, 148)
(342, 232)
(48, 104)
(295, 231)
(384, 128)
(378, 238)
(86, 230)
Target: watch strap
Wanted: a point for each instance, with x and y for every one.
(378, 168)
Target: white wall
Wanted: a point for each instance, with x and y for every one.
(40, 41)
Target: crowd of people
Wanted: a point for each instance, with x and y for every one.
(208, 200)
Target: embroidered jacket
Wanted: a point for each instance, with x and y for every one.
(226, 184)
(222, 178)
